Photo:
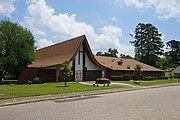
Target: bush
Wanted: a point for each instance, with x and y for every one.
(155, 77)
(10, 78)
(116, 78)
(149, 78)
(123, 77)
(9, 82)
(134, 77)
(37, 80)
(126, 76)
(30, 82)
(163, 77)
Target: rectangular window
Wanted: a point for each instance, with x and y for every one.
(79, 57)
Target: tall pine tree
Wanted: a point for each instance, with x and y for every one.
(173, 47)
(148, 44)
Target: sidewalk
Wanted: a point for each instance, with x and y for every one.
(25, 100)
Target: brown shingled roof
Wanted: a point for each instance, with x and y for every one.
(58, 53)
(127, 64)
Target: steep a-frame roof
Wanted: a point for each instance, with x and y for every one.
(59, 53)
(123, 64)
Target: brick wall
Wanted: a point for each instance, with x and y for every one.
(70, 79)
(27, 74)
(153, 73)
(92, 75)
(47, 75)
(145, 73)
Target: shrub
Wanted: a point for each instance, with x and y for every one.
(37, 80)
(126, 76)
(134, 77)
(149, 78)
(9, 82)
(123, 77)
(155, 77)
(116, 78)
(10, 78)
(163, 77)
(30, 82)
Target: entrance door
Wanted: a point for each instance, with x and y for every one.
(78, 75)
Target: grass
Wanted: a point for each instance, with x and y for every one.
(152, 82)
(17, 91)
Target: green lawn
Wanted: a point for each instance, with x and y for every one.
(152, 82)
(17, 91)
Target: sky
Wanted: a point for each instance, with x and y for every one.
(106, 23)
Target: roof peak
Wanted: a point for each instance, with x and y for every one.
(64, 41)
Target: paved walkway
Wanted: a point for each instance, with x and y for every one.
(25, 100)
(112, 84)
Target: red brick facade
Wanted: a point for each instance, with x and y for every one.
(145, 73)
(92, 75)
(47, 75)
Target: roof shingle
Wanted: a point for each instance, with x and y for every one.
(58, 53)
(123, 64)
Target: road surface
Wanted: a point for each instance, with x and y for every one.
(146, 104)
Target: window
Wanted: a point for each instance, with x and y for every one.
(79, 57)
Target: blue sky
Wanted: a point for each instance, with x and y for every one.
(106, 23)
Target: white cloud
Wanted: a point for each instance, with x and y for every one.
(165, 8)
(110, 39)
(101, 21)
(7, 7)
(114, 19)
(44, 23)
(44, 43)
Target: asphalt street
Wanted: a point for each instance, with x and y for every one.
(146, 104)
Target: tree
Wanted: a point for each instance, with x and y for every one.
(65, 71)
(110, 53)
(17, 48)
(99, 54)
(113, 52)
(125, 56)
(138, 71)
(148, 44)
(164, 63)
(174, 51)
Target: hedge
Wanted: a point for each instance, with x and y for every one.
(9, 82)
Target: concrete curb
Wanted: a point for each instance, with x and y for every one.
(26, 100)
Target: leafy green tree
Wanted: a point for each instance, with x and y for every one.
(65, 71)
(113, 52)
(174, 51)
(138, 71)
(110, 53)
(148, 44)
(125, 56)
(164, 63)
(99, 54)
(16, 48)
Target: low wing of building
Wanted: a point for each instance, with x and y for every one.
(173, 72)
(119, 66)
